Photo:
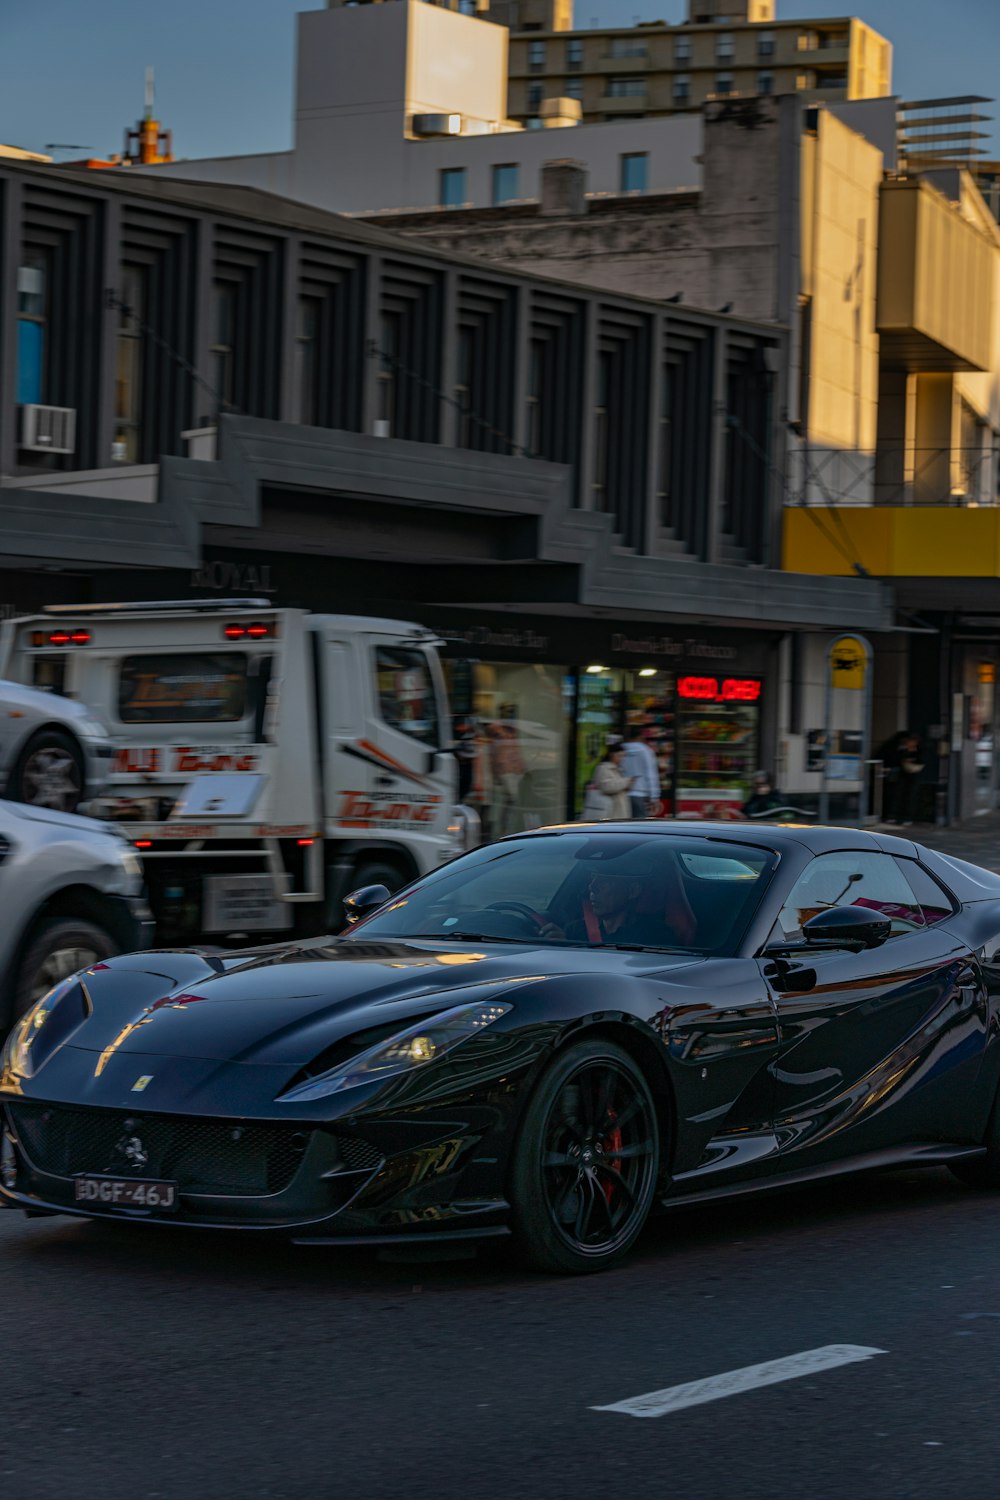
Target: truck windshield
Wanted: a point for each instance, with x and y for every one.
(183, 688)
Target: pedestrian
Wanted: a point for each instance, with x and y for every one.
(910, 766)
(764, 797)
(889, 753)
(639, 762)
(607, 796)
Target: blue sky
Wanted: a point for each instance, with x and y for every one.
(71, 71)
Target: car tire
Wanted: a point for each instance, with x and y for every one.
(54, 951)
(586, 1161)
(983, 1171)
(49, 772)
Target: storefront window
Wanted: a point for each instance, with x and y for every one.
(599, 714)
(718, 738)
(512, 730)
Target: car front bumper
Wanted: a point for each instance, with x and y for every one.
(301, 1183)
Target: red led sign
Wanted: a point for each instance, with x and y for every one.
(709, 689)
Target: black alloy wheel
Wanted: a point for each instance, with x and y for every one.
(586, 1164)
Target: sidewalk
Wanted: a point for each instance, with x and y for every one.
(977, 839)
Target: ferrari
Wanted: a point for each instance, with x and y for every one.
(546, 1039)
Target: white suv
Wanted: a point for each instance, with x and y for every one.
(71, 892)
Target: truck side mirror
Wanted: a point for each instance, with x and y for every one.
(365, 900)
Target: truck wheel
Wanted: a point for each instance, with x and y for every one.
(379, 873)
(58, 949)
(49, 772)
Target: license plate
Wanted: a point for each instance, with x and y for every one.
(245, 903)
(126, 1192)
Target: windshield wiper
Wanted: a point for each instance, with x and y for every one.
(648, 948)
(463, 937)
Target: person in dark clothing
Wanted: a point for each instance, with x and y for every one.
(910, 766)
(764, 797)
(901, 757)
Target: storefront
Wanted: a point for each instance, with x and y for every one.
(531, 731)
(535, 696)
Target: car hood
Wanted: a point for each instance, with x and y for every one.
(285, 1006)
(12, 813)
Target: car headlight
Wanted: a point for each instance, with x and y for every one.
(424, 1043)
(132, 864)
(93, 728)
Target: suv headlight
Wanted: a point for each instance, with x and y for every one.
(414, 1048)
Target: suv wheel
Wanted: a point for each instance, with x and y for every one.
(58, 949)
(49, 772)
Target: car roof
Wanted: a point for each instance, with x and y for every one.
(819, 839)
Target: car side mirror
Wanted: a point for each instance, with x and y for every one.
(363, 901)
(854, 926)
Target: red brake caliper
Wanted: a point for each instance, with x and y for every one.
(612, 1145)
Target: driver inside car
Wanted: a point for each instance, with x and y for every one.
(610, 915)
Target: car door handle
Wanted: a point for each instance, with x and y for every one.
(384, 780)
(969, 992)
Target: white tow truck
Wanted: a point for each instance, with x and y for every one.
(267, 761)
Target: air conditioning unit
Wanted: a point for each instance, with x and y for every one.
(48, 429)
(436, 124)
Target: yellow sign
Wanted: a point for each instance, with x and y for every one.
(848, 659)
(987, 671)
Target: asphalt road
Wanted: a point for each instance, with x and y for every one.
(167, 1365)
(176, 1366)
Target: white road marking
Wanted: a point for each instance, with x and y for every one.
(732, 1382)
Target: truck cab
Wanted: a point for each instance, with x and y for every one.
(266, 761)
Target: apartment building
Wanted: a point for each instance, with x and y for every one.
(731, 47)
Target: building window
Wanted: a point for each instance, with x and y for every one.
(682, 89)
(623, 46)
(536, 93)
(603, 396)
(451, 193)
(682, 49)
(574, 53)
(805, 81)
(223, 342)
(467, 7)
(128, 370)
(626, 88)
(536, 56)
(665, 513)
(307, 340)
(765, 83)
(463, 387)
(33, 282)
(387, 379)
(505, 182)
(808, 41)
(723, 83)
(634, 172)
(573, 88)
(535, 367)
(724, 49)
(765, 44)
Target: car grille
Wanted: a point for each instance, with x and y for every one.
(201, 1156)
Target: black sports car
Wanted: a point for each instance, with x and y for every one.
(543, 1039)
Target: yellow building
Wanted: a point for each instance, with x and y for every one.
(729, 47)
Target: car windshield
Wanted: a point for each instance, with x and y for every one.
(617, 890)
